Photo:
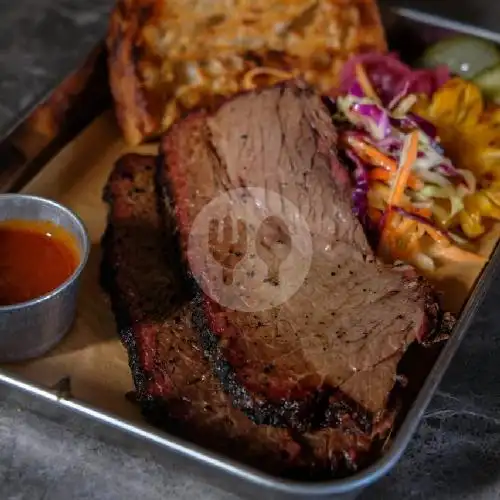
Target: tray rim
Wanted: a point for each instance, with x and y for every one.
(224, 464)
(354, 482)
(437, 20)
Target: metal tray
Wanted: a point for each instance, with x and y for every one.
(217, 468)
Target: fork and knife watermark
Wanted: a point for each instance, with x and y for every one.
(250, 249)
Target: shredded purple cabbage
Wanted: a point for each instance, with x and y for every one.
(377, 116)
(373, 123)
(391, 78)
(361, 185)
(391, 145)
(427, 127)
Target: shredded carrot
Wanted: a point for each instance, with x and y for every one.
(423, 212)
(393, 236)
(378, 159)
(381, 174)
(404, 170)
(365, 83)
(370, 153)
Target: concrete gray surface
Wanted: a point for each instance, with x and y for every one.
(455, 454)
(41, 41)
(43, 459)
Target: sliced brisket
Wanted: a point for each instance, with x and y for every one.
(174, 382)
(334, 344)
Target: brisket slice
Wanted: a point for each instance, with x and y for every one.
(174, 382)
(336, 343)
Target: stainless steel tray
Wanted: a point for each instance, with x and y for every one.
(230, 473)
(479, 18)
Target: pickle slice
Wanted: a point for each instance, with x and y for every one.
(466, 56)
(489, 83)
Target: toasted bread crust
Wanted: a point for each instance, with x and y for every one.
(127, 20)
(150, 72)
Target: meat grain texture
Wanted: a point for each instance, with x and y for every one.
(330, 351)
(174, 382)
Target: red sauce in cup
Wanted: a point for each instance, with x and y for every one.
(35, 258)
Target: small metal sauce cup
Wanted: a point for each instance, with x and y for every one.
(29, 329)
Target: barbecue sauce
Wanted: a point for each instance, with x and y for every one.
(35, 258)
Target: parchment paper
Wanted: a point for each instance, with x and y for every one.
(91, 354)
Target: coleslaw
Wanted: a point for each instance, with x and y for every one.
(409, 195)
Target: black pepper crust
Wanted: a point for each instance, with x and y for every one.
(154, 409)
